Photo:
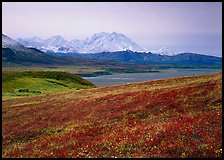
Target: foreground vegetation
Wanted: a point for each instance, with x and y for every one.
(25, 83)
(176, 117)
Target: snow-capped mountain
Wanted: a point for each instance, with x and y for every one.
(105, 42)
(53, 44)
(8, 42)
(55, 41)
(100, 42)
(16, 53)
(35, 42)
(165, 51)
(13, 51)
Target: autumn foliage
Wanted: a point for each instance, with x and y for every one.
(171, 118)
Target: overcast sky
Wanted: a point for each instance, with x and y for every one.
(182, 26)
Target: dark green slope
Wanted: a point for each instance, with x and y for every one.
(149, 58)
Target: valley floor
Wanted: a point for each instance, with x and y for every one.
(176, 117)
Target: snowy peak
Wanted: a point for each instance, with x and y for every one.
(31, 42)
(100, 35)
(7, 42)
(111, 42)
(165, 51)
(34, 39)
(54, 44)
(55, 41)
(99, 42)
(120, 36)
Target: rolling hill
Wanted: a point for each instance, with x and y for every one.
(25, 83)
(171, 118)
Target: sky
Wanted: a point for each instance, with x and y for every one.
(183, 26)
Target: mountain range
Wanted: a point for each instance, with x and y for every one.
(150, 58)
(99, 42)
(14, 51)
(16, 56)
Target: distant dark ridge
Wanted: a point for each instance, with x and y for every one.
(150, 58)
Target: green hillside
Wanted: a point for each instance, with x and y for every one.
(24, 83)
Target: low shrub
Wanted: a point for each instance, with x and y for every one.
(35, 91)
(22, 90)
(27, 90)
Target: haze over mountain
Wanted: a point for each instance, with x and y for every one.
(99, 42)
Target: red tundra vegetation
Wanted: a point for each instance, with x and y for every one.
(171, 118)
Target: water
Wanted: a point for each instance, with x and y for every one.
(109, 80)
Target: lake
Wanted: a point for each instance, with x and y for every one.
(109, 80)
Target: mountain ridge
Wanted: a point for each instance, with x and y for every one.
(151, 58)
(97, 43)
(17, 56)
(14, 52)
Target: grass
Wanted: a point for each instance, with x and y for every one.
(169, 118)
(25, 83)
